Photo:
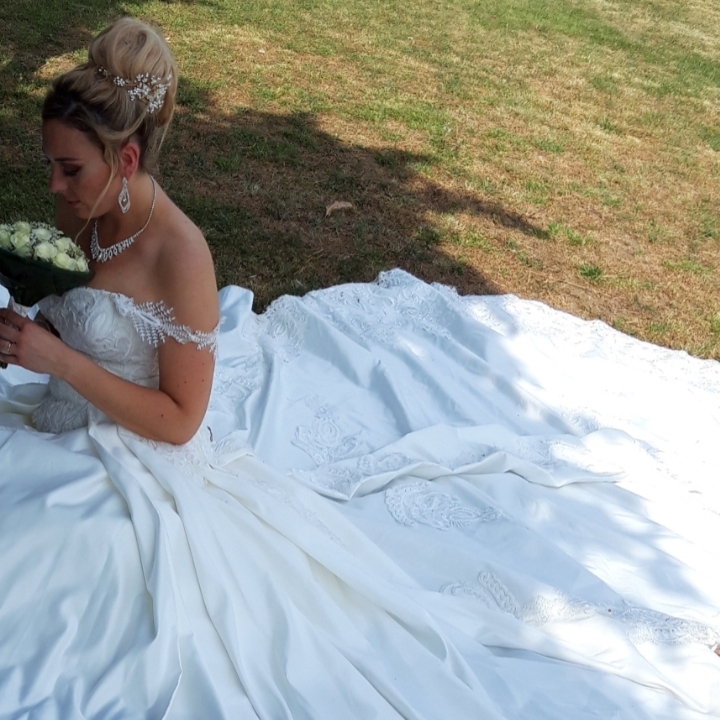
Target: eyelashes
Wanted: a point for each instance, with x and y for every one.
(69, 171)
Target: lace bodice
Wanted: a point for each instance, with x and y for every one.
(118, 334)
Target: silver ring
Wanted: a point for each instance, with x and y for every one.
(9, 347)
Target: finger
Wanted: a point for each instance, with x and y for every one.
(8, 332)
(7, 348)
(10, 317)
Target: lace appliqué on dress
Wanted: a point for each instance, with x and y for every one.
(323, 440)
(341, 458)
(233, 385)
(195, 457)
(344, 478)
(383, 311)
(640, 625)
(155, 323)
(282, 328)
(421, 502)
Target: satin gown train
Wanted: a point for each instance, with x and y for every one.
(401, 504)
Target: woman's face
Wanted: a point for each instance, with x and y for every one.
(78, 170)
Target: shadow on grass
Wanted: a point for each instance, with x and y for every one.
(259, 185)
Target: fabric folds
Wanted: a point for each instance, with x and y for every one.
(402, 504)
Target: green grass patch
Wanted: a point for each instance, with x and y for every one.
(590, 272)
(658, 329)
(689, 266)
(549, 146)
(655, 233)
(604, 84)
(606, 124)
(523, 257)
(577, 239)
(537, 191)
(711, 136)
(714, 321)
(470, 239)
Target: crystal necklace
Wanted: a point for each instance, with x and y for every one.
(104, 254)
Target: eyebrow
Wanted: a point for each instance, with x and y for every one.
(61, 159)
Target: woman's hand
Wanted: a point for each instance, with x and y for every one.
(23, 342)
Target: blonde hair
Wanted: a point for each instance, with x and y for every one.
(94, 99)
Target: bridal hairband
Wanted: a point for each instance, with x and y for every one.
(151, 88)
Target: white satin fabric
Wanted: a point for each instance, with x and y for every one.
(402, 504)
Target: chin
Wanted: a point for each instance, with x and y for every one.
(79, 211)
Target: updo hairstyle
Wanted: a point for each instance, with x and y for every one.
(97, 99)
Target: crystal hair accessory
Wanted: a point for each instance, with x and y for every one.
(150, 88)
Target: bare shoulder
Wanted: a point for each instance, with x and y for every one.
(186, 273)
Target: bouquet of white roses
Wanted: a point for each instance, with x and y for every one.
(37, 260)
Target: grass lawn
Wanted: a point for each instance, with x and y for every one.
(562, 150)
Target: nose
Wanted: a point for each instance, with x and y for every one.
(57, 183)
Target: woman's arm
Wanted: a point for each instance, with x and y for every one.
(172, 413)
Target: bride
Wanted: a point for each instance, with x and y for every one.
(103, 124)
(378, 500)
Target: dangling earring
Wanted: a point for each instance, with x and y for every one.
(124, 197)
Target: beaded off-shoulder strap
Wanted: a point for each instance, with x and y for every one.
(155, 323)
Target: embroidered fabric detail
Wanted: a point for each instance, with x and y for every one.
(343, 479)
(155, 323)
(282, 328)
(231, 386)
(196, 456)
(323, 440)
(340, 455)
(421, 502)
(62, 409)
(645, 625)
(640, 625)
(407, 307)
(377, 464)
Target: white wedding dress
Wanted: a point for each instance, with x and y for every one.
(401, 504)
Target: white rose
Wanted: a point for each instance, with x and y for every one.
(44, 251)
(20, 239)
(64, 261)
(43, 234)
(22, 227)
(81, 264)
(63, 244)
(24, 250)
(5, 236)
